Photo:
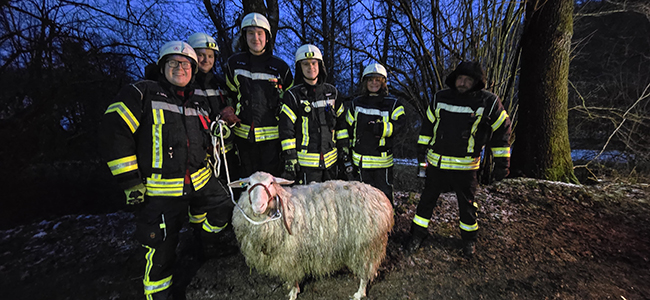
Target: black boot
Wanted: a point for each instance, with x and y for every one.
(414, 244)
(215, 245)
(418, 235)
(469, 248)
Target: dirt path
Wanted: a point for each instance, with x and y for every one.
(538, 240)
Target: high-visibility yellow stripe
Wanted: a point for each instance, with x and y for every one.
(467, 227)
(397, 113)
(349, 118)
(121, 109)
(200, 178)
(499, 121)
(123, 165)
(453, 163)
(340, 111)
(196, 219)
(424, 140)
(430, 115)
(288, 144)
(420, 221)
(388, 129)
(342, 134)
(213, 229)
(372, 162)
(289, 113)
(152, 287)
(501, 152)
(312, 160)
(157, 138)
(471, 141)
(165, 187)
(261, 133)
(305, 132)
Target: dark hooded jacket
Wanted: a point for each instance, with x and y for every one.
(459, 125)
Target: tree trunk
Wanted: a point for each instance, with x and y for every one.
(541, 149)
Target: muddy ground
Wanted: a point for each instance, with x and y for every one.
(538, 240)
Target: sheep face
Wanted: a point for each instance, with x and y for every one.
(262, 188)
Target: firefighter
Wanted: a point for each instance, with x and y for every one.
(155, 138)
(213, 88)
(460, 122)
(373, 119)
(257, 80)
(310, 115)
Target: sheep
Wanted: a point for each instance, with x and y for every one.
(325, 227)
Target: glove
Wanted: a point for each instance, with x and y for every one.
(228, 115)
(344, 154)
(422, 169)
(217, 129)
(422, 161)
(376, 127)
(291, 167)
(499, 173)
(135, 195)
(346, 160)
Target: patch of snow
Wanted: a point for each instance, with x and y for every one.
(40, 234)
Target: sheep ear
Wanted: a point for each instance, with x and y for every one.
(287, 213)
(282, 181)
(241, 183)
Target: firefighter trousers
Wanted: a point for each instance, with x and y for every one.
(307, 175)
(464, 184)
(158, 224)
(259, 156)
(381, 178)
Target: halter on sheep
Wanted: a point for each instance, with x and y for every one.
(332, 225)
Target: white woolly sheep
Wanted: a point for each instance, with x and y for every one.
(324, 228)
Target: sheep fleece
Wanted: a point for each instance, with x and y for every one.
(336, 224)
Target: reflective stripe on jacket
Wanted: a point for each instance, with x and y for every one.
(309, 120)
(458, 126)
(157, 134)
(256, 84)
(371, 150)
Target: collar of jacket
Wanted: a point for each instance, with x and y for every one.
(311, 90)
(181, 93)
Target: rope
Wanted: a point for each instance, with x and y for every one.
(219, 141)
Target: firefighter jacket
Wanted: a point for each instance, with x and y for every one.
(213, 89)
(372, 121)
(256, 84)
(158, 134)
(308, 121)
(458, 126)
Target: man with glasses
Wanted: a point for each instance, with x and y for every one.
(257, 80)
(155, 138)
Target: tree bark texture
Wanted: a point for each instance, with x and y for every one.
(541, 149)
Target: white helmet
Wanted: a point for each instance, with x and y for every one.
(177, 47)
(202, 40)
(308, 51)
(257, 20)
(375, 69)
